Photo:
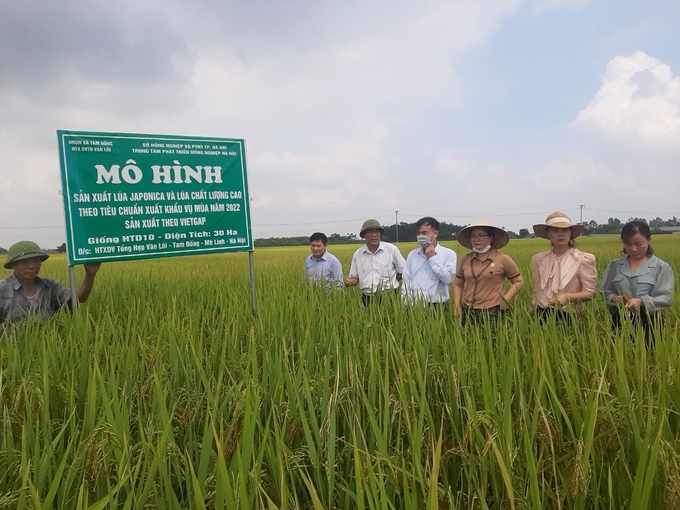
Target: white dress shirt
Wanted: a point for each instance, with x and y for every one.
(426, 279)
(377, 271)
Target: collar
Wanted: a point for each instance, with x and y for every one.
(490, 255)
(645, 268)
(421, 251)
(567, 253)
(16, 284)
(323, 257)
(380, 247)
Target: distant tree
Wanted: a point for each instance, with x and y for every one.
(3, 250)
(61, 248)
(523, 232)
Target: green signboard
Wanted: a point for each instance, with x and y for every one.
(132, 196)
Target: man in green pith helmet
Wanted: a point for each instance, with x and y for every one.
(376, 266)
(25, 294)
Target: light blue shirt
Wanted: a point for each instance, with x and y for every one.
(652, 282)
(327, 269)
(426, 279)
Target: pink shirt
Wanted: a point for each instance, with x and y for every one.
(574, 271)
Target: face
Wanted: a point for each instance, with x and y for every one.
(479, 238)
(426, 230)
(318, 249)
(372, 237)
(27, 269)
(636, 246)
(559, 237)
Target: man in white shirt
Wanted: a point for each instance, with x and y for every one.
(377, 266)
(430, 269)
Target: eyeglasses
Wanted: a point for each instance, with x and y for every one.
(479, 236)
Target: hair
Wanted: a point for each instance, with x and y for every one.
(572, 243)
(637, 227)
(429, 221)
(318, 236)
(490, 231)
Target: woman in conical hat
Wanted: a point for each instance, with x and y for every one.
(479, 289)
(563, 276)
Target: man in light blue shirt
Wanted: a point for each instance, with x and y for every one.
(322, 266)
(430, 268)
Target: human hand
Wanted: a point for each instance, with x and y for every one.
(91, 269)
(351, 281)
(428, 251)
(634, 304)
(563, 299)
(617, 300)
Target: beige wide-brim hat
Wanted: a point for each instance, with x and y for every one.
(500, 237)
(560, 220)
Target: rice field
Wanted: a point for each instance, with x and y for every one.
(163, 391)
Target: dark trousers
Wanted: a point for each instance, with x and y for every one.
(554, 314)
(377, 297)
(642, 319)
(479, 316)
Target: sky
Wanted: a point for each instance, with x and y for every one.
(463, 109)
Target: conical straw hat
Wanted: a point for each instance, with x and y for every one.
(500, 238)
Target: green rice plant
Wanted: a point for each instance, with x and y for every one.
(163, 391)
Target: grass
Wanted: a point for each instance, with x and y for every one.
(164, 392)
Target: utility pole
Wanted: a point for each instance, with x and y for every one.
(396, 223)
(582, 206)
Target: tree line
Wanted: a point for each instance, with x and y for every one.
(447, 231)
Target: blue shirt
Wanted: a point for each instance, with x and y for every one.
(652, 282)
(327, 269)
(426, 279)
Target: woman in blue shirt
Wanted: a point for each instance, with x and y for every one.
(639, 284)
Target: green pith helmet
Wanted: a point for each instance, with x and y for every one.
(24, 250)
(371, 225)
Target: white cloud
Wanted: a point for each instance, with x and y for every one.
(446, 165)
(325, 95)
(544, 5)
(335, 176)
(639, 100)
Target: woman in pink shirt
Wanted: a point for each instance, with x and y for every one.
(563, 276)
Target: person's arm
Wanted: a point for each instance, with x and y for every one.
(444, 267)
(85, 288)
(458, 283)
(517, 284)
(399, 262)
(535, 269)
(587, 274)
(607, 287)
(512, 274)
(458, 296)
(406, 273)
(353, 277)
(337, 273)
